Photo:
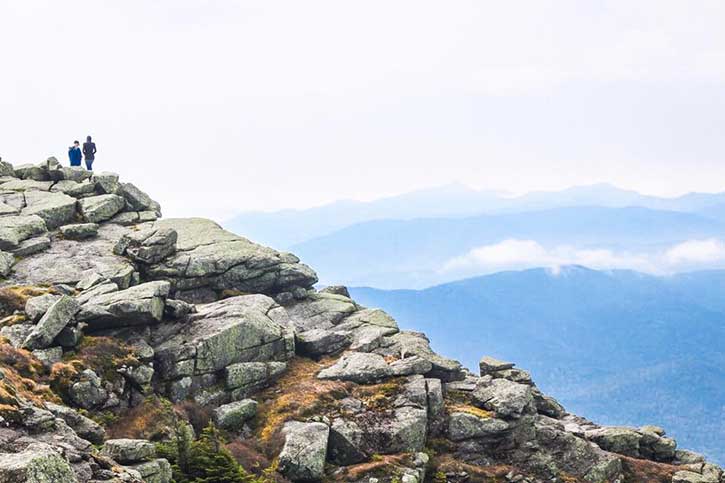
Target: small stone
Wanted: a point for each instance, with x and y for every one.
(52, 322)
(127, 451)
(464, 426)
(177, 309)
(79, 231)
(31, 246)
(148, 246)
(90, 279)
(410, 366)
(360, 367)
(69, 337)
(336, 290)
(36, 307)
(488, 364)
(7, 261)
(49, 356)
(95, 209)
(318, 342)
(135, 198)
(233, 415)
(507, 399)
(106, 183)
(88, 393)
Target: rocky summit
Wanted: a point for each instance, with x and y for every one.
(136, 349)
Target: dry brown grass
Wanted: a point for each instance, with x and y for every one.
(195, 414)
(477, 474)
(378, 397)
(469, 409)
(297, 395)
(148, 420)
(11, 320)
(20, 360)
(230, 292)
(24, 377)
(28, 389)
(567, 478)
(62, 375)
(384, 465)
(644, 471)
(14, 298)
(155, 417)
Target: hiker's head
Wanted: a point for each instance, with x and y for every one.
(88, 139)
(76, 143)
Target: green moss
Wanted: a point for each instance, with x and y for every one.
(50, 469)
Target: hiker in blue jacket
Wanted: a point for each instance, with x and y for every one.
(74, 153)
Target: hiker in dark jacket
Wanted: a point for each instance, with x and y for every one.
(74, 154)
(89, 151)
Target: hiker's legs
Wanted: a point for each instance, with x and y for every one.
(89, 164)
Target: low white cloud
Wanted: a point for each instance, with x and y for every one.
(514, 254)
(696, 252)
(504, 254)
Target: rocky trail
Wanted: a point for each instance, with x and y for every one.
(119, 327)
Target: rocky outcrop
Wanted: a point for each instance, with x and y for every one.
(248, 328)
(126, 308)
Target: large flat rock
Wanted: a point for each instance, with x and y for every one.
(209, 257)
(67, 261)
(55, 209)
(15, 229)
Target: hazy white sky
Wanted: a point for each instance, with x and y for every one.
(222, 106)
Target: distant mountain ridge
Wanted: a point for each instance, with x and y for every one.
(412, 253)
(286, 228)
(618, 345)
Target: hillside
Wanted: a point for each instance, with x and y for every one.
(141, 349)
(620, 346)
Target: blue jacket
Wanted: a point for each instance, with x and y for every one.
(75, 156)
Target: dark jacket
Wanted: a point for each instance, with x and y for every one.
(89, 150)
(75, 156)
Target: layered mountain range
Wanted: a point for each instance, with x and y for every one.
(124, 334)
(440, 235)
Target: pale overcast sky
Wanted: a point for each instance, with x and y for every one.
(222, 106)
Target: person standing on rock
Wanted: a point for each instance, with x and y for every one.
(89, 151)
(74, 153)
